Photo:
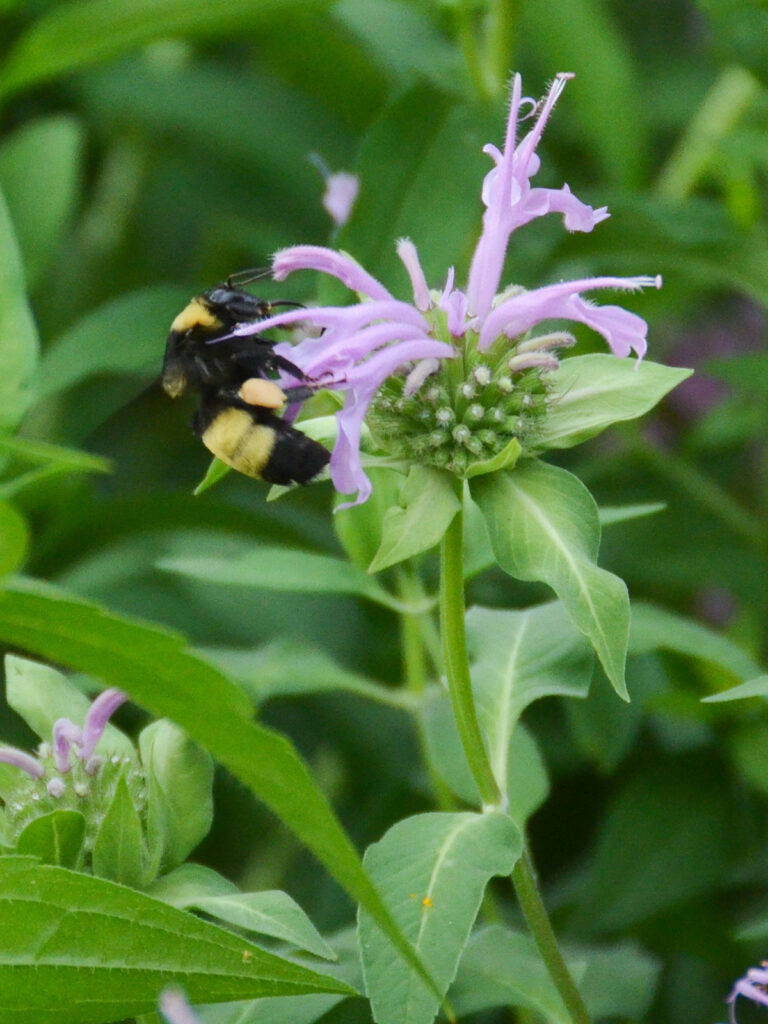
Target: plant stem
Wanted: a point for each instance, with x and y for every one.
(414, 661)
(452, 612)
(469, 48)
(524, 881)
(503, 16)
(415, 653)
(454, 638)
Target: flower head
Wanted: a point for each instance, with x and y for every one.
(754, 986)
(175, 1008)
(67, 774)
(341, 189)
(454, 377)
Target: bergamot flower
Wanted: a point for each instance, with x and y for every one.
(754, 986)
(454, 378)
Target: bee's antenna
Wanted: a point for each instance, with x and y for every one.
(242, 277)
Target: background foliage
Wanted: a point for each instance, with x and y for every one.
(151, 147)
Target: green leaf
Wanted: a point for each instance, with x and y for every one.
(287, 669)
(296, 1009)
(516, 657)
(584, 36)
(283, 569)
(136, 325)
(752, 688)
(505, 459)
(359, 528)
(654, 628)
(180, 781)
(603, 730)
(159, 671)
(543, 526)
(75, 36)
(118, 850)
(478, 553)
(14, 538)
(427, 506)
(408, 191)
(216, 471)
(501, 967)
(695, 242)
(746, 744)
(41, 695)
(56, 838)
(188, 882)
(519, 657)
(619, 981)
(405, 41)
(526, 782)
(739, 32)
(609, 515)
(67, 933)
(18, 335)
(40, 167)
(589, 393)
(657, 848)
(48, 455)
(432, 870)
(271, 913)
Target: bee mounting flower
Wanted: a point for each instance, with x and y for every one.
(454, 377)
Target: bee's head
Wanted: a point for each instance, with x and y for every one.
(195, 319)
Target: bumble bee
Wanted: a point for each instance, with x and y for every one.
(236, 419)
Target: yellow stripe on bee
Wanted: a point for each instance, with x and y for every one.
(244, 445)
(264, 393)
(196, 314)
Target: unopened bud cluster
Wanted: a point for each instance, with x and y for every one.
(87, 787)
(471, 407)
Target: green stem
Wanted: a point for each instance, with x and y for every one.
(469, 48)
(420, 635)
(499, 36)
(415, 653)
(455, 654)
(524, 881)
(414, 661)
(452, 613)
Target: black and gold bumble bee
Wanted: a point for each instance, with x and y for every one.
(236, 419)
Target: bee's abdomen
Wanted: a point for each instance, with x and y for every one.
(260, 445)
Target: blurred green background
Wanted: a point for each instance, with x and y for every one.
(150, 148)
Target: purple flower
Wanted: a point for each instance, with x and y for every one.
(96, 720)
(341, 189)
(27, 763)
(340, 194)
(453, 377)
(754, 986)
(175, 1008)
(66, 737)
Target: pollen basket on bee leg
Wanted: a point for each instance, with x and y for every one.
(264, 393)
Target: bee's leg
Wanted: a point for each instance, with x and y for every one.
(300, 393)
